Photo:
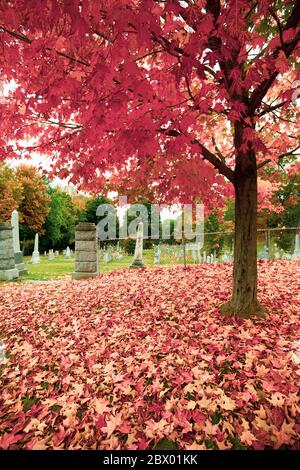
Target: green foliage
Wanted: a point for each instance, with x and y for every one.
(289, 196)
(89, 215)
(216, 417)
(237, 445)
(214, 241)
(165, 444)
(28, 402)
(129, 244)
(61, 220)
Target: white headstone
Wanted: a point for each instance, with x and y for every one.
(296, 253)
(265, 253)
(194, 255)
(277, 254)
(35, 259)
(119, 255)
(157, 255)
(68, 253)
(51, 255)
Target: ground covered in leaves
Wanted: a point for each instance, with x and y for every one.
(144, 359)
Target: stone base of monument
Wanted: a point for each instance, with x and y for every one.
(35, 259)
(19, 263)
(78, 276)
(9, 274)
(137, 264)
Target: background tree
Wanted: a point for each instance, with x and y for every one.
(178, 97)
(59, 227)
(90, 211)
(10, 192)
(288, 194)
(34, 204)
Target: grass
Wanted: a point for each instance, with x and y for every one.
(62, 267)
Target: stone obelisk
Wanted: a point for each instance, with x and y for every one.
(296, 253)
(35, 259)
(138, 253)
(16, 243)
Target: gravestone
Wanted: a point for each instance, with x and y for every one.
(68, 253)
(35, 259)
(265, 253)
(8, 270)
(276, 252)
(51, 255)
(86, 251)
(195, 255)
(106, 257)
(56, 253)
(296, 253)
(277, 255)
(157, 255)
(45, 253)
(119, 255)
(138, 252)
(16, 244)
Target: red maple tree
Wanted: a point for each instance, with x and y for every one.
(140, 94)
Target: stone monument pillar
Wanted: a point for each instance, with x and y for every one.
(35, 259)
(296, 253)
(8, 270)
(16, 243)
(138, 253)
(157, 255)
(86, 251)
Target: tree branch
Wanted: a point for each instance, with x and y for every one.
(282, 155)
(262, 164)
(268, 108)
(262, 89)
(206, 154)
(26, 39)
(215, 161)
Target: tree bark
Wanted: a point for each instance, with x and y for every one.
(244, 295)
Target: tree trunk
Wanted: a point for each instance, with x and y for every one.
(244, 296)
